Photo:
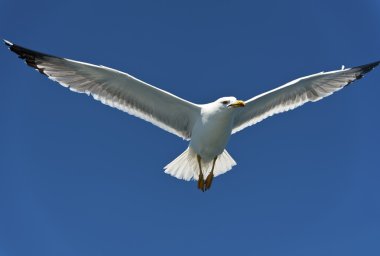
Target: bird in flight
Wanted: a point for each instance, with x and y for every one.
(208, 127)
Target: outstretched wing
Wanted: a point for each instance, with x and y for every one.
(116, 89)
(296, 93)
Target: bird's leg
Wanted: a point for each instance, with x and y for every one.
(210, 177)
(201, 181)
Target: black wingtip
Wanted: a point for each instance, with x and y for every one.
(29, 56)
(364, 69)
(373, 64)
(368, 67)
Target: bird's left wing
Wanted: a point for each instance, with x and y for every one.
(296, 93)
(116, 89)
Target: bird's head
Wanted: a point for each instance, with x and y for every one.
(230, 102)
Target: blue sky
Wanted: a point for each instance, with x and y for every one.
(80, 178)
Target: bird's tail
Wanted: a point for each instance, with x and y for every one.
(185, 166)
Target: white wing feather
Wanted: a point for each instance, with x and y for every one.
(296, 93)
(116, 89)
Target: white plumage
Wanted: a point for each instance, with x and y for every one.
(185, 166)
(207, 126)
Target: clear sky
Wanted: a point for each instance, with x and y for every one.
(81, 178)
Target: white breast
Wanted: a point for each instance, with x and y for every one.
(211, 132)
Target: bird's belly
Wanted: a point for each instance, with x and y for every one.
(209, 141)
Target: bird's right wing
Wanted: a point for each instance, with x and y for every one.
(296, 93)
(116, 89)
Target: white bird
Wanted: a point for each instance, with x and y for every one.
(207, 126)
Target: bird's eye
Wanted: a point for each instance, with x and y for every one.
(225, 102)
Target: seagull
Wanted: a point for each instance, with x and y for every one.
(208, 127)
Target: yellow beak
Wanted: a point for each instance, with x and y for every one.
(237, 104)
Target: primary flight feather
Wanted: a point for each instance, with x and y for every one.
(207, 126)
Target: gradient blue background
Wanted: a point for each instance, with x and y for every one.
(81, 178)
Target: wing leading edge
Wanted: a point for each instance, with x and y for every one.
(116, 89)
(296, 93)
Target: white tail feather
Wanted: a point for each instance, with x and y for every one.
(185, 166)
